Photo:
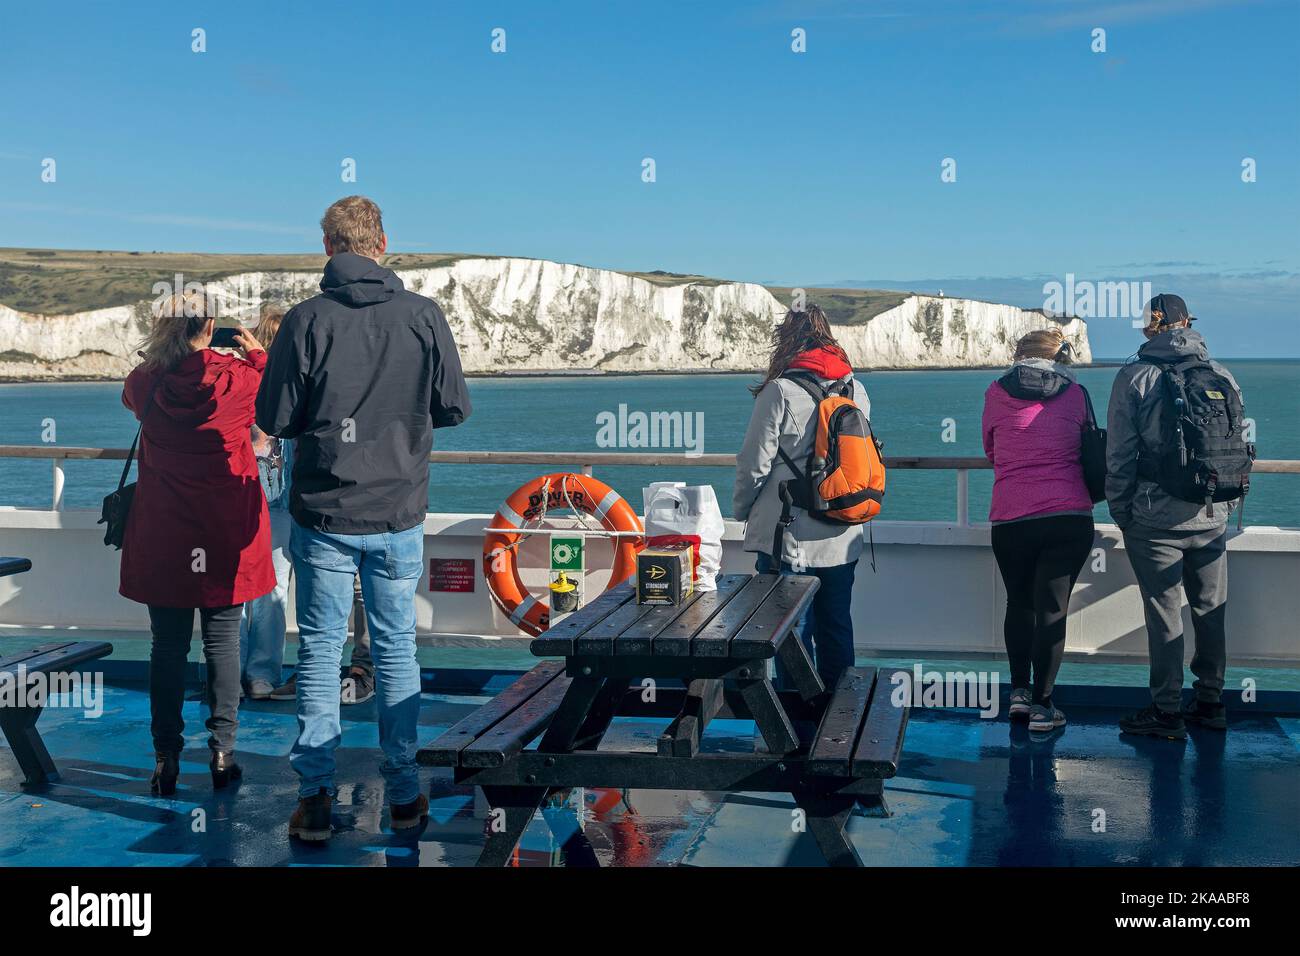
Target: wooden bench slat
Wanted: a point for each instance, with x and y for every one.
(639, 638)
(14, 566)
(832, 749)
(784, 605)
(880, 744)
(675, 639)
(599, 639)
(13, 660)
(714, 639)
(445, 750)
(509, 736)
(558, 640)
(55, 656)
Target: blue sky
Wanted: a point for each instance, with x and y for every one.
(812, 168)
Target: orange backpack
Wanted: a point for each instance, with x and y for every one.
(844, 480)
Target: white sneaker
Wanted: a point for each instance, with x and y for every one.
(1020, 698)
(1043, 719)
(260, 690)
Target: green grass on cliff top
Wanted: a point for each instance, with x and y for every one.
(64, 281)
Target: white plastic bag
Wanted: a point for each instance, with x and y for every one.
(674, 509)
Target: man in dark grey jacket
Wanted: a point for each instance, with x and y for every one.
(359, 376)
(1173, 545)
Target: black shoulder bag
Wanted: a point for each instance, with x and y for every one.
(117, 506)
(1092, 453)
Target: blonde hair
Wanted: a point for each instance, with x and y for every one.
(178, 321)
(1042, 344)
(1155, 323)
(354, 224)
(268, 324)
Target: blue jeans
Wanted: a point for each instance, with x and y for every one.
(827, 627)
(261, 629)
(390, 565)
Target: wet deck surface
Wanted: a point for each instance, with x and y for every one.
(970, 792)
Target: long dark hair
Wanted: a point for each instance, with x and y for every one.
(798, 332)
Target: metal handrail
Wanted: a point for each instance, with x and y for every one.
(587, 460)
(1286, 466)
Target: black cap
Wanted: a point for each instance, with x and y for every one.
(1171, 307)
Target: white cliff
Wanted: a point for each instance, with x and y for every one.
(931, 332)
(530, 314)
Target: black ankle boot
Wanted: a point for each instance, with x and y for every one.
(165, 772)
(224, 769)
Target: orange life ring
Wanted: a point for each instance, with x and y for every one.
(529, 503)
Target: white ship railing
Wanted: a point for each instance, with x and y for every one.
(934, 590)
(587, 462)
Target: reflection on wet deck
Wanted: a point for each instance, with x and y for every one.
(970, 792)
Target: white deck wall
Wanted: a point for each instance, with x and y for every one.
(936, 592)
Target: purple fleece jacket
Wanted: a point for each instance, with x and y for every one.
(1033, 444)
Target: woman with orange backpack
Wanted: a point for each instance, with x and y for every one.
(807, 476)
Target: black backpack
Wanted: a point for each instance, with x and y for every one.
(1203, 454)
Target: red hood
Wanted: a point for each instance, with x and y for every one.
(189, 392)
(828, 361)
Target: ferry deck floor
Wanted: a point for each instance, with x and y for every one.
(970, 792)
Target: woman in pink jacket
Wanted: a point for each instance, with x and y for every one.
(1034, 417)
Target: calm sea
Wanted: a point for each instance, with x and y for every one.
(915, 413)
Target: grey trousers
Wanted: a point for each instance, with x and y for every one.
(360, 635)
(1166, 563)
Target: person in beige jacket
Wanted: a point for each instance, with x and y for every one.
(783, 421)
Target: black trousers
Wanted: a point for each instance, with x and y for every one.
(1040, 559)
(172, 629)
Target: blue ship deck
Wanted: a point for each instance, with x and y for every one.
(970, 792)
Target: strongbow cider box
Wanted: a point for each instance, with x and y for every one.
(663, 574)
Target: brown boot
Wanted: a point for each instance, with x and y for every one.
(404, 816)
(311, 821)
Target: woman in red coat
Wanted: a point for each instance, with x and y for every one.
(198, 535)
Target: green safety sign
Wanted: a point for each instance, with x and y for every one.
(566, 554)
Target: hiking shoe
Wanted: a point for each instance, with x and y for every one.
(1043, 718)
(1020, 698)
(1205, 714)
(311, 821)
(404, 816)
(260, 690)
(357, 687)
(1153, 722)
(286, 691)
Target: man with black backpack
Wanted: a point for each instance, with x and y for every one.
(1177, 465)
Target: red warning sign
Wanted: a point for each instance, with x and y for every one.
(452, 574)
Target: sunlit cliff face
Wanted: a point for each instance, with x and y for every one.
(530, 314)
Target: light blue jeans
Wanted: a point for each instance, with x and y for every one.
(261, 629)
(390, 566)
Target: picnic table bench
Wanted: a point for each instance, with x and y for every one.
(18, 721)
(830, 749)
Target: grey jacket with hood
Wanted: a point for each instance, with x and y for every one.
(783, 418)
(1132, 420)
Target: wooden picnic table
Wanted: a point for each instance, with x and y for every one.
(709, 657)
